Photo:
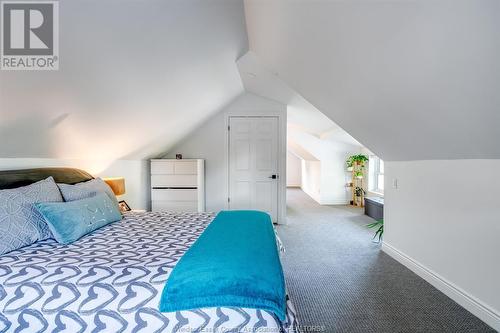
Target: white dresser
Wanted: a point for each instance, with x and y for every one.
(178, 185)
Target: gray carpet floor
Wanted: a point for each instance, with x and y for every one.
(340, 281)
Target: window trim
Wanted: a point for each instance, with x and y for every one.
(375, 173)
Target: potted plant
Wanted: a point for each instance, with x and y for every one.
(358, 192)
(380, 228)
(358, 174)
(358, 160)
(349, 164)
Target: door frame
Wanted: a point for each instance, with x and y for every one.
(281, 186)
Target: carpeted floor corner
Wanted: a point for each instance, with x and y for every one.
(340, 281)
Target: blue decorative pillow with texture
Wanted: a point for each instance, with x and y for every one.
(86, 190)
(69, 221)
(20, 222)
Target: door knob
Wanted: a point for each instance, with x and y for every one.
(273, 176)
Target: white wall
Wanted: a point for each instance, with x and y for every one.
(327, 183)
(135, 172)
(209, 142)
(293, 170)
(138, 79)
(334, 177)
(443, 221)
(311, 179)
(134, 78)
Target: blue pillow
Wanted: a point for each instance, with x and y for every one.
(69, 221)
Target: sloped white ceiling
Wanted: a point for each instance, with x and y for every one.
(409, 79)
(301, 115)
(135, 76)
(260, 81)
(299, 151)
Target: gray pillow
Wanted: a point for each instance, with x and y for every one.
(86, 190)
(20, 222)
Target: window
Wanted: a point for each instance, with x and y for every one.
(376, 178)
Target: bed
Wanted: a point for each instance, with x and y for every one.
(112, 279)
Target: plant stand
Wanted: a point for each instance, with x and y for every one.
(356, 165)
(357, 181)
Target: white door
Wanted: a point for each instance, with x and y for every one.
(253, 164)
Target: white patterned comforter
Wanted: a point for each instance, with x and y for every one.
(111, 281)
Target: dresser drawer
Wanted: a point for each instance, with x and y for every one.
(170, 206)
(174, 195)
(174, 167)
(186, 168)
(174, 181)
(162, 167)
(177, 185)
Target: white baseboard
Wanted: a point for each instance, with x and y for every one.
(334, 202)
(469, 302)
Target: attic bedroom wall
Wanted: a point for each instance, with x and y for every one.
(293, 170)
(134, 78)
(442, 220)
(417, 83)
(325, 181)
(209, 142)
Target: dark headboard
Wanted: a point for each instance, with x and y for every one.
(17, 178)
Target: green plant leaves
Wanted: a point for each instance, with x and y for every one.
(358, 191)
(380, 231)
(359, 159)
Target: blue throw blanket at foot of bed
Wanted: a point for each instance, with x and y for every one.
(234, 263)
